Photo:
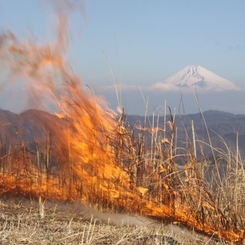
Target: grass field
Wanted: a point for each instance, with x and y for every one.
(136, 174)
(26, 221)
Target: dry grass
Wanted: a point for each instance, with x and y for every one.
(64, 223)
(206, 195)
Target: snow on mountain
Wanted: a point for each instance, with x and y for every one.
(189, 78)
(195, 77)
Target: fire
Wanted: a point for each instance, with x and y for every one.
(98, 159)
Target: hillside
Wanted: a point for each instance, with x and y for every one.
(220, 125)
(43, 156)
(33, 126)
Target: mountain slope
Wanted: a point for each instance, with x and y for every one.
(33, 127)
(220, 125)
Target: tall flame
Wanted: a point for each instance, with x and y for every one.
(96, 141)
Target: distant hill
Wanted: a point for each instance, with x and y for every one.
(220, 125)
(28, 126)
(34, 127)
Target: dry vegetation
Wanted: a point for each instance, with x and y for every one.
(201, 194)
(27, 221)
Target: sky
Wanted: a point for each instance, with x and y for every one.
(141, 42)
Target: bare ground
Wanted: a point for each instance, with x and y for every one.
(29, 221)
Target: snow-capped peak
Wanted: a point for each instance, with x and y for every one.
(196, 77)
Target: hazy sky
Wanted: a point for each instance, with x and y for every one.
(144, 41)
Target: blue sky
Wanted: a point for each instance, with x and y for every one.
(144, 41)
(148, 41)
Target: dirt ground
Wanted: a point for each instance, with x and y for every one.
(29, 221)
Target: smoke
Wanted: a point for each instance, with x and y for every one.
(36, 67)
(90, 211)
(63, 11)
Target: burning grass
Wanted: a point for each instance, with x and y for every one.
(139, 179)
(98, 158)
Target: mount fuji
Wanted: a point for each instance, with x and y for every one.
(196, 77)
(214, 92)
